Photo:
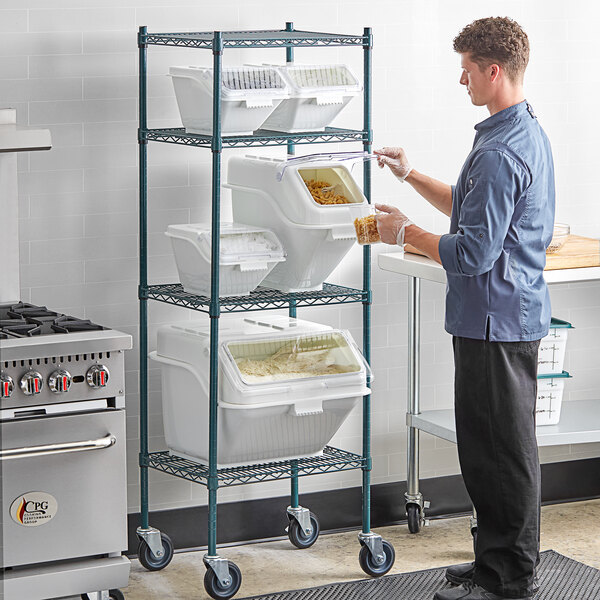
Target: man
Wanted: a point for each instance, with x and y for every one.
(497, 304)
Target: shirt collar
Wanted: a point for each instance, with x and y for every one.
(511, 112)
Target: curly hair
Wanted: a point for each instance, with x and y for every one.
(496, 39)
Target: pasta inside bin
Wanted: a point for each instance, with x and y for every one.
(330, 186)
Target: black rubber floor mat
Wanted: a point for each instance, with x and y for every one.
(561, 578)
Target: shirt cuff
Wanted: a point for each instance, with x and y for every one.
(448, 253)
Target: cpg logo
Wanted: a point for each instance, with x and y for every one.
(33, 509)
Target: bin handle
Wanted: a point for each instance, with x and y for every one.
(253, 266)
(307, 408)
(324, 100)
(64, 448)
(176, 363)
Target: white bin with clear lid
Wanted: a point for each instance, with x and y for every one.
(318, 93)
(248, 96)
(271, 193)
(292, 415)
(247, 255)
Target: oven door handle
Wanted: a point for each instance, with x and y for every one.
(27, 451)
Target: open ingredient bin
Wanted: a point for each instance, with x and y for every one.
(247, 255)
(551, 355)
(285, 387)
(275, 194)
(248, 96)
(317, 95)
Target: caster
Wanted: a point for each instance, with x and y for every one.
(368, 564)
(413, 513)
(216, 590)
(151, 562)
(112, 595)
(299, 538)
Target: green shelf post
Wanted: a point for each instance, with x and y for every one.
(143, 276)
(367, 144)
(292, 311)
(214, 311)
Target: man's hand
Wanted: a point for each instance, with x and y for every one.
(390, 224)
(395, 159)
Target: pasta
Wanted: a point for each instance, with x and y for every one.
(327, 196)
(366, 230)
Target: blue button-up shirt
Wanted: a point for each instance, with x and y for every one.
(501, 224)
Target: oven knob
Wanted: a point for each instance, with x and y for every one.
(7, 385)
(60, 381)
(32, 383)
(97, 376)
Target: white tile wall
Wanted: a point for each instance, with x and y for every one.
(71, 65)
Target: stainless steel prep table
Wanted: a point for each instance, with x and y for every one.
(579, 422)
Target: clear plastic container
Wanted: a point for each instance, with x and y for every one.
(551, 355)
(560, 234)
(365, 224)
(248, 96)
(317, 95)
(246, 256)
(550, 391)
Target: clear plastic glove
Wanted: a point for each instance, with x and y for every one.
(391, 224)
(395, 159)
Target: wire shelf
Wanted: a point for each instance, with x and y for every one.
(260, 299)
(254, 39)
(261, 137)
(332, 460)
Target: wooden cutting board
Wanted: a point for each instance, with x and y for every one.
(577, 252)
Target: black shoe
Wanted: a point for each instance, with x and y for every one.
(470, 591)
(463, 573)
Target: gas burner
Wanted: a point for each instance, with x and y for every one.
(9, 322)
(30, 311)
(23, 330)
(67, 324)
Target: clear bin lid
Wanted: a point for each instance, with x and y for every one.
(321, 78)
(238, 81)
(308, 357)
(313, 159)
(238, 242)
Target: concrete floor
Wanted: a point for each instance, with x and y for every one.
(571, 529)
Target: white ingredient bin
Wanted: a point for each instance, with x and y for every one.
(551, 355)
(292, 414)
(247, 255)
(248, 96)
(549, 398)
(271, 193)
(317, 95)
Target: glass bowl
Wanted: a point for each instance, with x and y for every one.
(559, 237)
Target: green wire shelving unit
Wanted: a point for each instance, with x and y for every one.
(223, 578)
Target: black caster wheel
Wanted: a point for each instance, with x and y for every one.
(367, 561)
(112, 594)
(151, 562)
(474, 534)
(213, 586)
(413, 513)
(299, 538)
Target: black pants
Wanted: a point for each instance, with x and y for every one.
(495, 391)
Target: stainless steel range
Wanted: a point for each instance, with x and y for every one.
(62, 427)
